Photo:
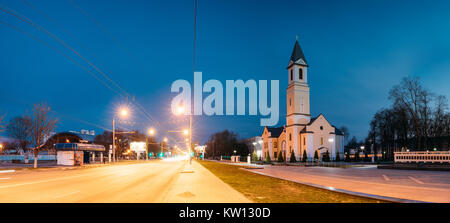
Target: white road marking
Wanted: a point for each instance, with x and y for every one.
(7, 171)
(5, 178)
(416, 180)
(68, 194)
(386, 178)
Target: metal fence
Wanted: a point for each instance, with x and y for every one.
(422, 157)
(31, 157)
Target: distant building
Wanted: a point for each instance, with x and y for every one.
(301, 132)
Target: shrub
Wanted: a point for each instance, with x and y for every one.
(280, 157)
(347, 157)
(326, 157)
(292, 159)
(254, 156)
(338, 157)
(268, 160)
(305, 156)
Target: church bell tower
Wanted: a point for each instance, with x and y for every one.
(298, 89)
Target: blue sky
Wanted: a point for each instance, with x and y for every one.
(357, 50)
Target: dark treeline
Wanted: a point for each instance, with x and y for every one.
(417, 120)
(225, 143)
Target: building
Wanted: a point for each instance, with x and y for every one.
(301, 132)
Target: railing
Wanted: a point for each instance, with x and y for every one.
(30, 157)
(422, 157)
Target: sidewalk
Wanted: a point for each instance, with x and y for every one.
(196, 184)
(393, 185)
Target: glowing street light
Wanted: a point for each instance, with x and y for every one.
(151, 132)
(186, 132)
(124, 112)
(165, 139)
(180, 110)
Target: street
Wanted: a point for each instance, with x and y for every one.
(428, 186)
(153, 181)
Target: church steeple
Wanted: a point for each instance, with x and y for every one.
(297, 56)
(298, 89)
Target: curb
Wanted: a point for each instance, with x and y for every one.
(359, 194)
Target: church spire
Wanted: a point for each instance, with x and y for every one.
(297, 56)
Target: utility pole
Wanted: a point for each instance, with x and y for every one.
(193, 73)
(113, 142)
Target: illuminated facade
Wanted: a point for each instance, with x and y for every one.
(301, 132)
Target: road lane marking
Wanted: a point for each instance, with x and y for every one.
(5, 178)
(68, 194)
(7, 171)
(308, 176)
(416, 180)
(386, 178)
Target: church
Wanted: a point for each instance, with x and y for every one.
(301, 132)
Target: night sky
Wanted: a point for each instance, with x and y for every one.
(356, 50)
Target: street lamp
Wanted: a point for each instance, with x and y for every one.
(123, 112)
(1, 148)
(162, 147)
(186, 132)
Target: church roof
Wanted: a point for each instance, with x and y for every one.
(275, 132)
(297, 56)
(337, 131)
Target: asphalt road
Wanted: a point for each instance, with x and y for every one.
(153, 181)
(428, 186)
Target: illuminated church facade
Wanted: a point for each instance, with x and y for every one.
(301, 132)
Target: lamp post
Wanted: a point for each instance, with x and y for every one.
(151, 132)
(123, 112)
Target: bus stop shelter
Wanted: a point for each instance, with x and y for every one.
(77, 154)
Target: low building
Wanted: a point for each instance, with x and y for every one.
(74, 154)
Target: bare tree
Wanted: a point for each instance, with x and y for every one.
(42, 124)
(417, 119)
(346, 133)
(409, 94)
(2, 126)
(19, 128)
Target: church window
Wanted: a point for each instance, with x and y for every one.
(321, 140)
(304, 141)
(300, 74)
(292, 76)
(290, 137)
(275, 145)
(321, 127)
(290, 102)
(275, 154)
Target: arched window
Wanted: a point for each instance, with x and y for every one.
(292, 76)
(300, 74)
